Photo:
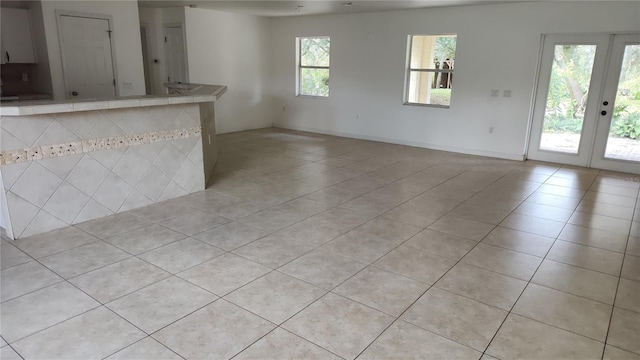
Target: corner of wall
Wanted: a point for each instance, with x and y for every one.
(44, 84)
(5, 221)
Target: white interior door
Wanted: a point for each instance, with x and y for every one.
(617, 144)
(86, 55)
(175, 54)
(578, 97)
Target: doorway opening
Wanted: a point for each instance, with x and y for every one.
(587, 105)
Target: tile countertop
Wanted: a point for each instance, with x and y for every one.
(199, 93)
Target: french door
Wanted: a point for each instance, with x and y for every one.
(587, 105)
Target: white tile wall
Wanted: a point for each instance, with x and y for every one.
(66, 203)
(21, 212)
(9, 141)
(113, 192)
(87, 175)
(43, 222)
(153, 183)
(46, 194)
(169, 160)
(80, 123)
(61, 166)
(131, 167)
(108, 158)
(27, 129)
(56, 133)
(36, 185)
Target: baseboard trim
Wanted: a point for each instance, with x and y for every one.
(258, 127)
(499, 155)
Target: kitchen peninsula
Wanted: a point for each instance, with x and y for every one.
(63, 163)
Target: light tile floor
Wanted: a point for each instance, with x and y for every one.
(318, 247)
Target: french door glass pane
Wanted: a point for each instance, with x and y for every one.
(624, 134)
(567, 97)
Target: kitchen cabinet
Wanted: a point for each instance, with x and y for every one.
(17, 41)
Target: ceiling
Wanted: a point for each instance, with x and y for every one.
(314, 7)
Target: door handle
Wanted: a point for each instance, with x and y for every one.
(8, 57)
(74, 93)
(603, 112)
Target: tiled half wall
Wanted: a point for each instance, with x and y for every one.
(120, 159)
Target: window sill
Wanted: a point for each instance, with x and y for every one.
(313, 97)
(427, 105)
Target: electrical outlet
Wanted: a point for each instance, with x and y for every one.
(506, 93)
(494, 92)
(25, 77)
(127, 85)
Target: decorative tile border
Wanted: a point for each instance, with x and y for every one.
(17, 156)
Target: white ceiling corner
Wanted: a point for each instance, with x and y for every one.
(270, 8)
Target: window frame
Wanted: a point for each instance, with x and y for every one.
(409, 70)
(299, 66)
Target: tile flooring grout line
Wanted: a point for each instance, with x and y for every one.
(412, 303)
(101, 304)
(615, 296)
(144, 338)
(341, 234)
(441, 277)
(60, 282)
(373, 218)
(200, 308)
(371, 264)
(279, 325)
(236, 289)
(529, 282)
(347, 231)
(15, 351)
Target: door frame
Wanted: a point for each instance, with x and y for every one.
(109, 18)
(545, 66)
(144, 44)
(594, 158)
(184, 47)
(609, 93)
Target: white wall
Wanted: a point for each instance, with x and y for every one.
(154, 20)
(233, 50)
(40, 46)
(5, 221)
(126, 33)
(498, 47)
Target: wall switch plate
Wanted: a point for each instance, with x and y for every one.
(25, 77)
(494, 92)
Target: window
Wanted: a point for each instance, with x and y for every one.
(313, 66)
(430, 69)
